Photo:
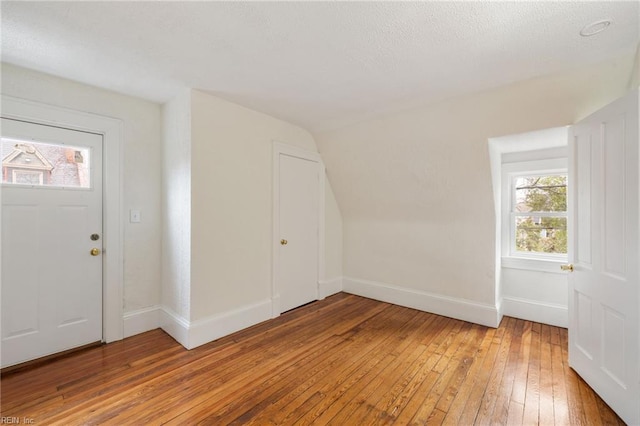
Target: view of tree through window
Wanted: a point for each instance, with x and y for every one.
(540, 214)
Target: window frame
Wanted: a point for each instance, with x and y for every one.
(511, 258)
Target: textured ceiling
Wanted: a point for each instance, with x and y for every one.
(321, 65)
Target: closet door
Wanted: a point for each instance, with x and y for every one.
(298, 229)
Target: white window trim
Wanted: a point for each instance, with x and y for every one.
(510, 258)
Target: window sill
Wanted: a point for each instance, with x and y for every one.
(541, 265)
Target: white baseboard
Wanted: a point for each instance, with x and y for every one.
(217, 326)
(175, 326)
(141, 320)
(196, 333)
(533, 310)
(452, 307)
(328, 287)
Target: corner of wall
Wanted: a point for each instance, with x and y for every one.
(499, 309)
(176, 204)
(329, 287)
(175, 326)
(192, 334)
(495, 158)
(333, 244)
(187, 130)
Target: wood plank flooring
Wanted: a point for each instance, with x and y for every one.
(345, 360)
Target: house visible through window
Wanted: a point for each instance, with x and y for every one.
(38, 164)
(539, 214)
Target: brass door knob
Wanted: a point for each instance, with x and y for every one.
(94, 252)
(284, 242)
(568, 267)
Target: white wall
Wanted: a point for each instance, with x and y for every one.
(535, 296)
(634, 80)
(415, 188)
(540, 293)
(176, 205)
(141, 171)
(199, 170)
(218, 225)
(332, 235)
(231, 183)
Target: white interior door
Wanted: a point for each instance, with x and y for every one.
(51, 222)
(604, 298)
(299, 230)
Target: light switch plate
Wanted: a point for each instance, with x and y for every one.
(134, 216)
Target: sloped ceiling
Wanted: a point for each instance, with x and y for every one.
(322, 65)
(415, 188)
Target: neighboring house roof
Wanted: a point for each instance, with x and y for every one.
(25, 156)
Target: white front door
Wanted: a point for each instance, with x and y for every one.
(299, 230)
(604, 298)
(51, 222)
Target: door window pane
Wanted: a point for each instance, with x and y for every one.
(45, 164)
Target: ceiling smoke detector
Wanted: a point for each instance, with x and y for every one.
(595, 28)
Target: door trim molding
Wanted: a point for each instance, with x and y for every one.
(278, 149)
(112, 131)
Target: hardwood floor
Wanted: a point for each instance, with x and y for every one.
(345, 360)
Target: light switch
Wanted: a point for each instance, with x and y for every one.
(134, 216)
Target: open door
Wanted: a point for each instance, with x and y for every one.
(604, 295)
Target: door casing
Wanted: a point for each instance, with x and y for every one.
(112, 132)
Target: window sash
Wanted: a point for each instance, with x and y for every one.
(513, 187)
(514, 252)
(541, 214)
(513, 214)
(531, 166)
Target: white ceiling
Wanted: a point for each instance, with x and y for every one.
(321, 65)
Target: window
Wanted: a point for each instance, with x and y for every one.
(534, 213)
(539, 214)
(27, 177)
(38, 164)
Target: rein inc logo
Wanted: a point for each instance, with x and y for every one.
(16, 421)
